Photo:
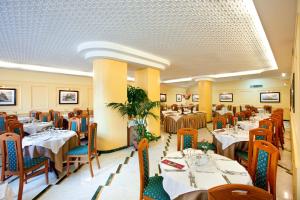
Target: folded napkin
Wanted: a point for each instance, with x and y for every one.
(173, 164)
(230, 166)
(204, 181)
(166, 166)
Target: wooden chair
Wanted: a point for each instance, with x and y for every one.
(229, 118)
(219, 122)
(45, 117)
(263, 168)
(229, 107)
(276, 126)
(85, 151)
(56, 117)
(35, 114)
(238, 192)
(245, 157)
(84, 123)
(174, 107)
(240, 116)
(189, 136)
(234, 110)
(71, 114)
(267, 124)
(51, 114)
(74, 125)
(77, 111)
(151, 188)
(268, 109)
(3, 113)
(248, 114)
(280, 127)
(3, 124)
(13, 163)
(16, 127)
(14, 117)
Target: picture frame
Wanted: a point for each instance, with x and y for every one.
(68, 97)
(270, 97)
(226, 97)
(292, 94)
(163, 97)
(8, 96)
(178, 97)
(195, 98)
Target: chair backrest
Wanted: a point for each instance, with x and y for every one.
(267, 124)
(257, 134)
(35, 114)
(8, 117)
(268, 109)
(234, 110)
(238, 192)
(174, 107)
(55, 115)
(77, 111)
(143, 164)
(51, 114)
(229, 107)
(12, 151)
(92, 138)
(45, 117)
(219, 122)
(2, 123)
(276, 130)
(70, 115)
(263, 168)
(189, 136)
(229, 118)
(74, 124)
(248, 114)
(240, 116)
(84, 122)
(3, 113)
(16, 127)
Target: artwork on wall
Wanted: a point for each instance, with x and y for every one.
(195, 98)
(270, 97)
(178, 98)
(8, 97)
(68, 97)
(292, 94)
(226, 97)
(163, 97)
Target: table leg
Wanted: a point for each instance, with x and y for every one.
(52, 169)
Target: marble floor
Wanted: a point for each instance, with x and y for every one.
(118, 176)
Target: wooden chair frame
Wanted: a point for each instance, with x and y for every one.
(41, 116)
(22, 173)
(16, 124)
(77, 120)
(241, 114)
(5, 122)
(238, 191)
(267, 123)
(143, 145)
(219, 118)
(91, 153)
(14, 117)
(273, 154)
(187, 131)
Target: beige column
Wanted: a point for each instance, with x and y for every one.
(149, 80)
(109, 85)
(205, 98)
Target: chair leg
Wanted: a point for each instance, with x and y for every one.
(97, 160)
(3, 169)
(21, 184)
(68, 165)
(91, 168)
(46, 171)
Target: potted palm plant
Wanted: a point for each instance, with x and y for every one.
(137, 108)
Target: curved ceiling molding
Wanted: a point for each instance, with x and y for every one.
(103, 49)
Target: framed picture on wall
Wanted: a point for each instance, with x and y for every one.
(163, 97)
(226, 97)
(270, 97)
(195, 98)
(68, 97)
(292, 94)
(8, 97)
(178, 97)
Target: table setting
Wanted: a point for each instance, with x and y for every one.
(36, 126)
(190, 173)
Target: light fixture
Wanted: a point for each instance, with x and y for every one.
(283, 74)
(178, 80)
(242, 73)
(130, 78)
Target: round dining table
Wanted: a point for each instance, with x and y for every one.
(36, 126)
(188, 174)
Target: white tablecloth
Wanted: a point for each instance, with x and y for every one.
(206, 176)
(36, 127)
(25, 119)
(228, 136)
(53, 139)
(224, 111)
(6, 192)
(248, 125)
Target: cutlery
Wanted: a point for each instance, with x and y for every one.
(174, 170)
(235, 173)
(226, 179)
(200, 171)
(168, 157)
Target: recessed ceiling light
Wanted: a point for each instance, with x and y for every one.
(283, 74)
(178, 80)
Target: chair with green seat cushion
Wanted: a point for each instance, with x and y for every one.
(263, 168)
(45, 117)
(219, 122)
(16, 127)
(150, 187)
(88, 151)
(210, 146)
(84, 122)
(2, 123)
(74, 125)
(254, 134)
(13, 163)
(267, 124)
(187, 138)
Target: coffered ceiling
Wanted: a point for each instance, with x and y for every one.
(199, 37)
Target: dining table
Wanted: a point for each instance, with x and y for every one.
(188, 174)
(36, 126)
(173, 122)
(253, 122)
(53, 144)
(6, 192)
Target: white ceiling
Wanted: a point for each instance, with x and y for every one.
(199, 37)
